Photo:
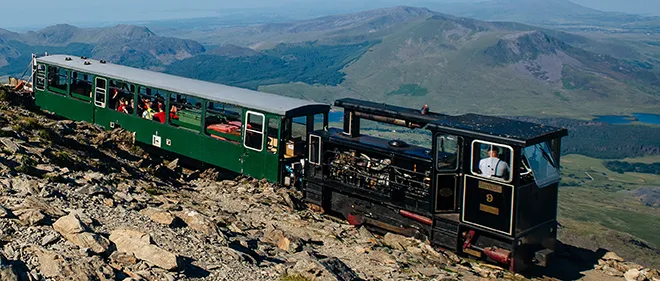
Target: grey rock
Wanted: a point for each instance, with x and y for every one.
(30, 216)
(3, 212)
(139, 244)
(48, 239)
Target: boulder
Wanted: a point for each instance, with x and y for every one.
(69, 224)
(30, 216)
(123, 259)
(158, 215)
(138, 243)
(631, 275)
(611, 256)
(198, 222)
(398, 242)
(74, 230)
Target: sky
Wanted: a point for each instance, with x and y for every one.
(81, 13)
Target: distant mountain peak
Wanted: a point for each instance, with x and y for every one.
(132, 30)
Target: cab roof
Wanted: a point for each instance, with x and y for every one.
(502, 130)
(498, 129)
(246, 98)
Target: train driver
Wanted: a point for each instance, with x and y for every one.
(493, 166)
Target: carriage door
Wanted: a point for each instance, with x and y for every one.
(253, 144)
(448, 156)
(99, 94)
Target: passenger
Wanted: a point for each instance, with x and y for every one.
(173, 111)
(148, 112)
(129, 107)
(425, 109)
(160, 116)
(122, 106)
(492, 166)
(113, 99)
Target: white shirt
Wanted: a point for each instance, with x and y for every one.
(493, 166)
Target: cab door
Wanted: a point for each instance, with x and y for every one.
(271, 162)
(447, 164)
(254, 144)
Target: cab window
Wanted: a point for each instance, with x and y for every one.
(491, 160)
(447, 148)
(318, 121)
(273, 133)
(299, 128)
(540, 163)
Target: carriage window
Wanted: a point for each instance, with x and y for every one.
(81, 86)
(223, 121)
(254, 131)
(121, 96)
(542, 164)
(299, 128)
(100, 92)
(40, 81)
(151, 104)
(57, 77)
(188, 111)
(273, 128)
(448, 147)
(492, 160)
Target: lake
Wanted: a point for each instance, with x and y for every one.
(647, 118)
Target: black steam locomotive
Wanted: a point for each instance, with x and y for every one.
(486, 187)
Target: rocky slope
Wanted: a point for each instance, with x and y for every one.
(80, 203)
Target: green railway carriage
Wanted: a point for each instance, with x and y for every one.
(249, 132)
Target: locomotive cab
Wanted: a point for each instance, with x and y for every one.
(478, 185)
(508, 178)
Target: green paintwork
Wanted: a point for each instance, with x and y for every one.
(183, 136)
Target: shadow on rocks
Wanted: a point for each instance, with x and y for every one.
(21, 270)
(569, 263)
(191, 270)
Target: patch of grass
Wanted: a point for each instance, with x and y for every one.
(27, 165)
(410, 90)
(27, 124)
(293, 277)
(4, 95)
(600, 196)
(560, 96)
(62, 158)
(46, 135)
(152, 190)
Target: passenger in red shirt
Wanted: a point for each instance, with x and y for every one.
(160, 116)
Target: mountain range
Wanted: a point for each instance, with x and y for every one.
(126, 44)
(416, 56)
(557, 13)
(403, 55)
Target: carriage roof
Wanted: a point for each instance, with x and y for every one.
(261, 101)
